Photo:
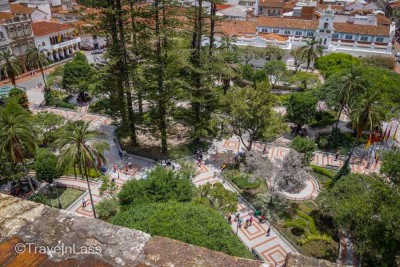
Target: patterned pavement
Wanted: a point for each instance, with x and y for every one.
(272, 248)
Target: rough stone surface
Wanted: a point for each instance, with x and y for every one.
(27, 222)
(298, 260)
(161, 251)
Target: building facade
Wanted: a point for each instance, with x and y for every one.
(58, 41)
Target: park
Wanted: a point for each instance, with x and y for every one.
(192, 142)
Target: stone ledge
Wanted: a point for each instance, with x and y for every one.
(23, 221)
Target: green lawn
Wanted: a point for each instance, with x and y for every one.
(67, 197)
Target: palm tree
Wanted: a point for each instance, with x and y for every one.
(35, 58)
(351, 83)
(10, 66)
(228, 42)
(227, 67)
(17, 140)
(367, 113)
(311, 51)
(77, 148)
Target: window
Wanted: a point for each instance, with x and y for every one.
(269, 11)
(275, 31)
(379, 39)
(348, 37)
(299, 33)
(43, 43)
(364, 38)
(1, 35)
(335, 36)
(310, 34)
(286, 32)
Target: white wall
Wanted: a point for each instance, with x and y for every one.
(38, 15)
(87, 41)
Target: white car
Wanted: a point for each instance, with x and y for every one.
(397, 54)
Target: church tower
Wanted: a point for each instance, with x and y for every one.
(325, 28)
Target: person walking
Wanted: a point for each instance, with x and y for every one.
(269, 231)
(229, 219)
(251, 221)
(83, 202)
(126, 169)
(336, 155)
(115, 168)
(130, 165)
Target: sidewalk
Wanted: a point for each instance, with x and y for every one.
(26, 76)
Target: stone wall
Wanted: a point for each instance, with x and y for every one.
(33, 234)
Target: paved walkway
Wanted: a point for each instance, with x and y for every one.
(272, 248)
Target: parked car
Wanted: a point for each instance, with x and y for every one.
(397, 54)
(97, 52)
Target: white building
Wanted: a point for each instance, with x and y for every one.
(59, 41)
(355, 39)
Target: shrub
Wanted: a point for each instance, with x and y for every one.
(245, 182)
(188, 222)
(107, 208)
(161, 185)
(323, 119)
(322, 171)
(20, 96)
(297, 231)
(102, 106)
(304, 145)
(46, 166)
(40, 198)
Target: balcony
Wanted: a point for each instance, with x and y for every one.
(70, 41)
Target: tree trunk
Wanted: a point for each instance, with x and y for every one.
(124, 68)
(116, 53)
(29, 179)
(84, 174)
(212, 27)
(340, 114)
(75, 171)
(196, 45)
(226, 85)
(46, 88)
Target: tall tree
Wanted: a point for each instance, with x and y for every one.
(311, 51)
(10, 66)
(77, 146)
(350, 84)
(249, 114)
(17, 140)
(35, 58)
(370, 211)
(367, 112)
(124, 69)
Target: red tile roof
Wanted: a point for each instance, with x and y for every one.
(240, 28)
(271, 3)
(220, 7)
(20, 9)
(5, 15)
(44, 28)
(288, 23)
(362, 29)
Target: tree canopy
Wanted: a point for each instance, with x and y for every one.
(370, 211)
(160, 185)
(188, 222)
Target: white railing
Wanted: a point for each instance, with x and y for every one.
(339, 46)
(66, 43)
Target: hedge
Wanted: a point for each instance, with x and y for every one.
(322, 170)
